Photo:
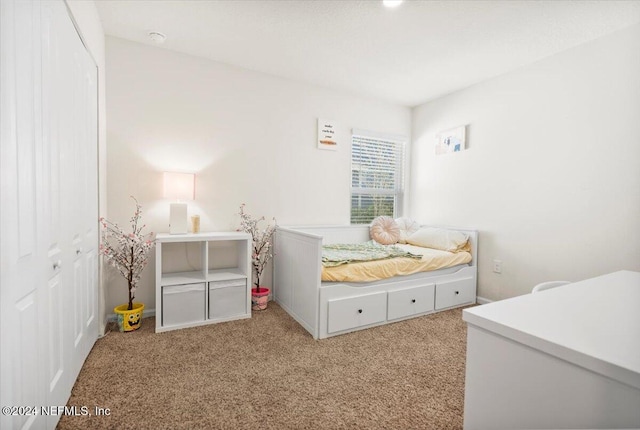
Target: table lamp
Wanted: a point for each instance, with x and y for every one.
(178, 187)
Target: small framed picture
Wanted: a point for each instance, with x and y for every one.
(327, 134)
(453, 140)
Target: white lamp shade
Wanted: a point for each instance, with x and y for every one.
(179, 186)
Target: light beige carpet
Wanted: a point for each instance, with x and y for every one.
(268, 373)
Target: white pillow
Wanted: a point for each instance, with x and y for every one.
(384, 230)
(407, 227)
(439, 238)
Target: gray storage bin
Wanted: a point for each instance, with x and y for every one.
(227, 298)
(183, 304)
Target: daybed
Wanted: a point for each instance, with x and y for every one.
(327, 309)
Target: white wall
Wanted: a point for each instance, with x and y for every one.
(249, 137)
(551, 177)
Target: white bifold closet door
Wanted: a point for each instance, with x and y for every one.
(48, 209)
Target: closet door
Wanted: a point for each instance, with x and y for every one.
(75, 112)
(24, 261)
(69, 97)
(56, 375)
(48, 209)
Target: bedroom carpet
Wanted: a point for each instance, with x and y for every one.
(267, 372)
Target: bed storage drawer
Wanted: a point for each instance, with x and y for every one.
(410, 301)
(352, 312)
(455, 293)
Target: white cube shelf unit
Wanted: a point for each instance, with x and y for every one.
(202, 278)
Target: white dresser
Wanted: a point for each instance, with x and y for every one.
(563, 358)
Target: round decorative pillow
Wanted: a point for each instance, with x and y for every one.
(407, 228)
(384, 230)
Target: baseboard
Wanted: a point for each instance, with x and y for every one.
(482, 300)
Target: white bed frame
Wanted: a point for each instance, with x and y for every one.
(327, 309)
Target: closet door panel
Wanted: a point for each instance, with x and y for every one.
(91, 299)
(67, 198)
(58, 378)
(79, 185)
(78, 300)
(27, 108)
(57, 386)
(23, 297)
(8, 213)
(89, 222)
(27, 375)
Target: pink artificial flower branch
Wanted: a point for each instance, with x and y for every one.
(262, 242)
(128, 252)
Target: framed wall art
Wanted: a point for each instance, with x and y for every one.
(452, 140)
(327, 134)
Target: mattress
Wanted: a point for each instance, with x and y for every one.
(432, 259)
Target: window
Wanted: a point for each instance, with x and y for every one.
(377, 176)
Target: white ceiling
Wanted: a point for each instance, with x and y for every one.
(408, 55)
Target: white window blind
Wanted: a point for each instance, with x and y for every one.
(377, 177)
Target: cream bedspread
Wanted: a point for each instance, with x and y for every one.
(432, 259)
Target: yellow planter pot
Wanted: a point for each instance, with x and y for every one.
(129, 320)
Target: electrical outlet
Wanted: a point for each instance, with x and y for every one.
(497, 266)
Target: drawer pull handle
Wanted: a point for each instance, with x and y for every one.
(457, 292)
(359, 311)
(413, 300)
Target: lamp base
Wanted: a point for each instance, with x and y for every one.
(178, 218)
